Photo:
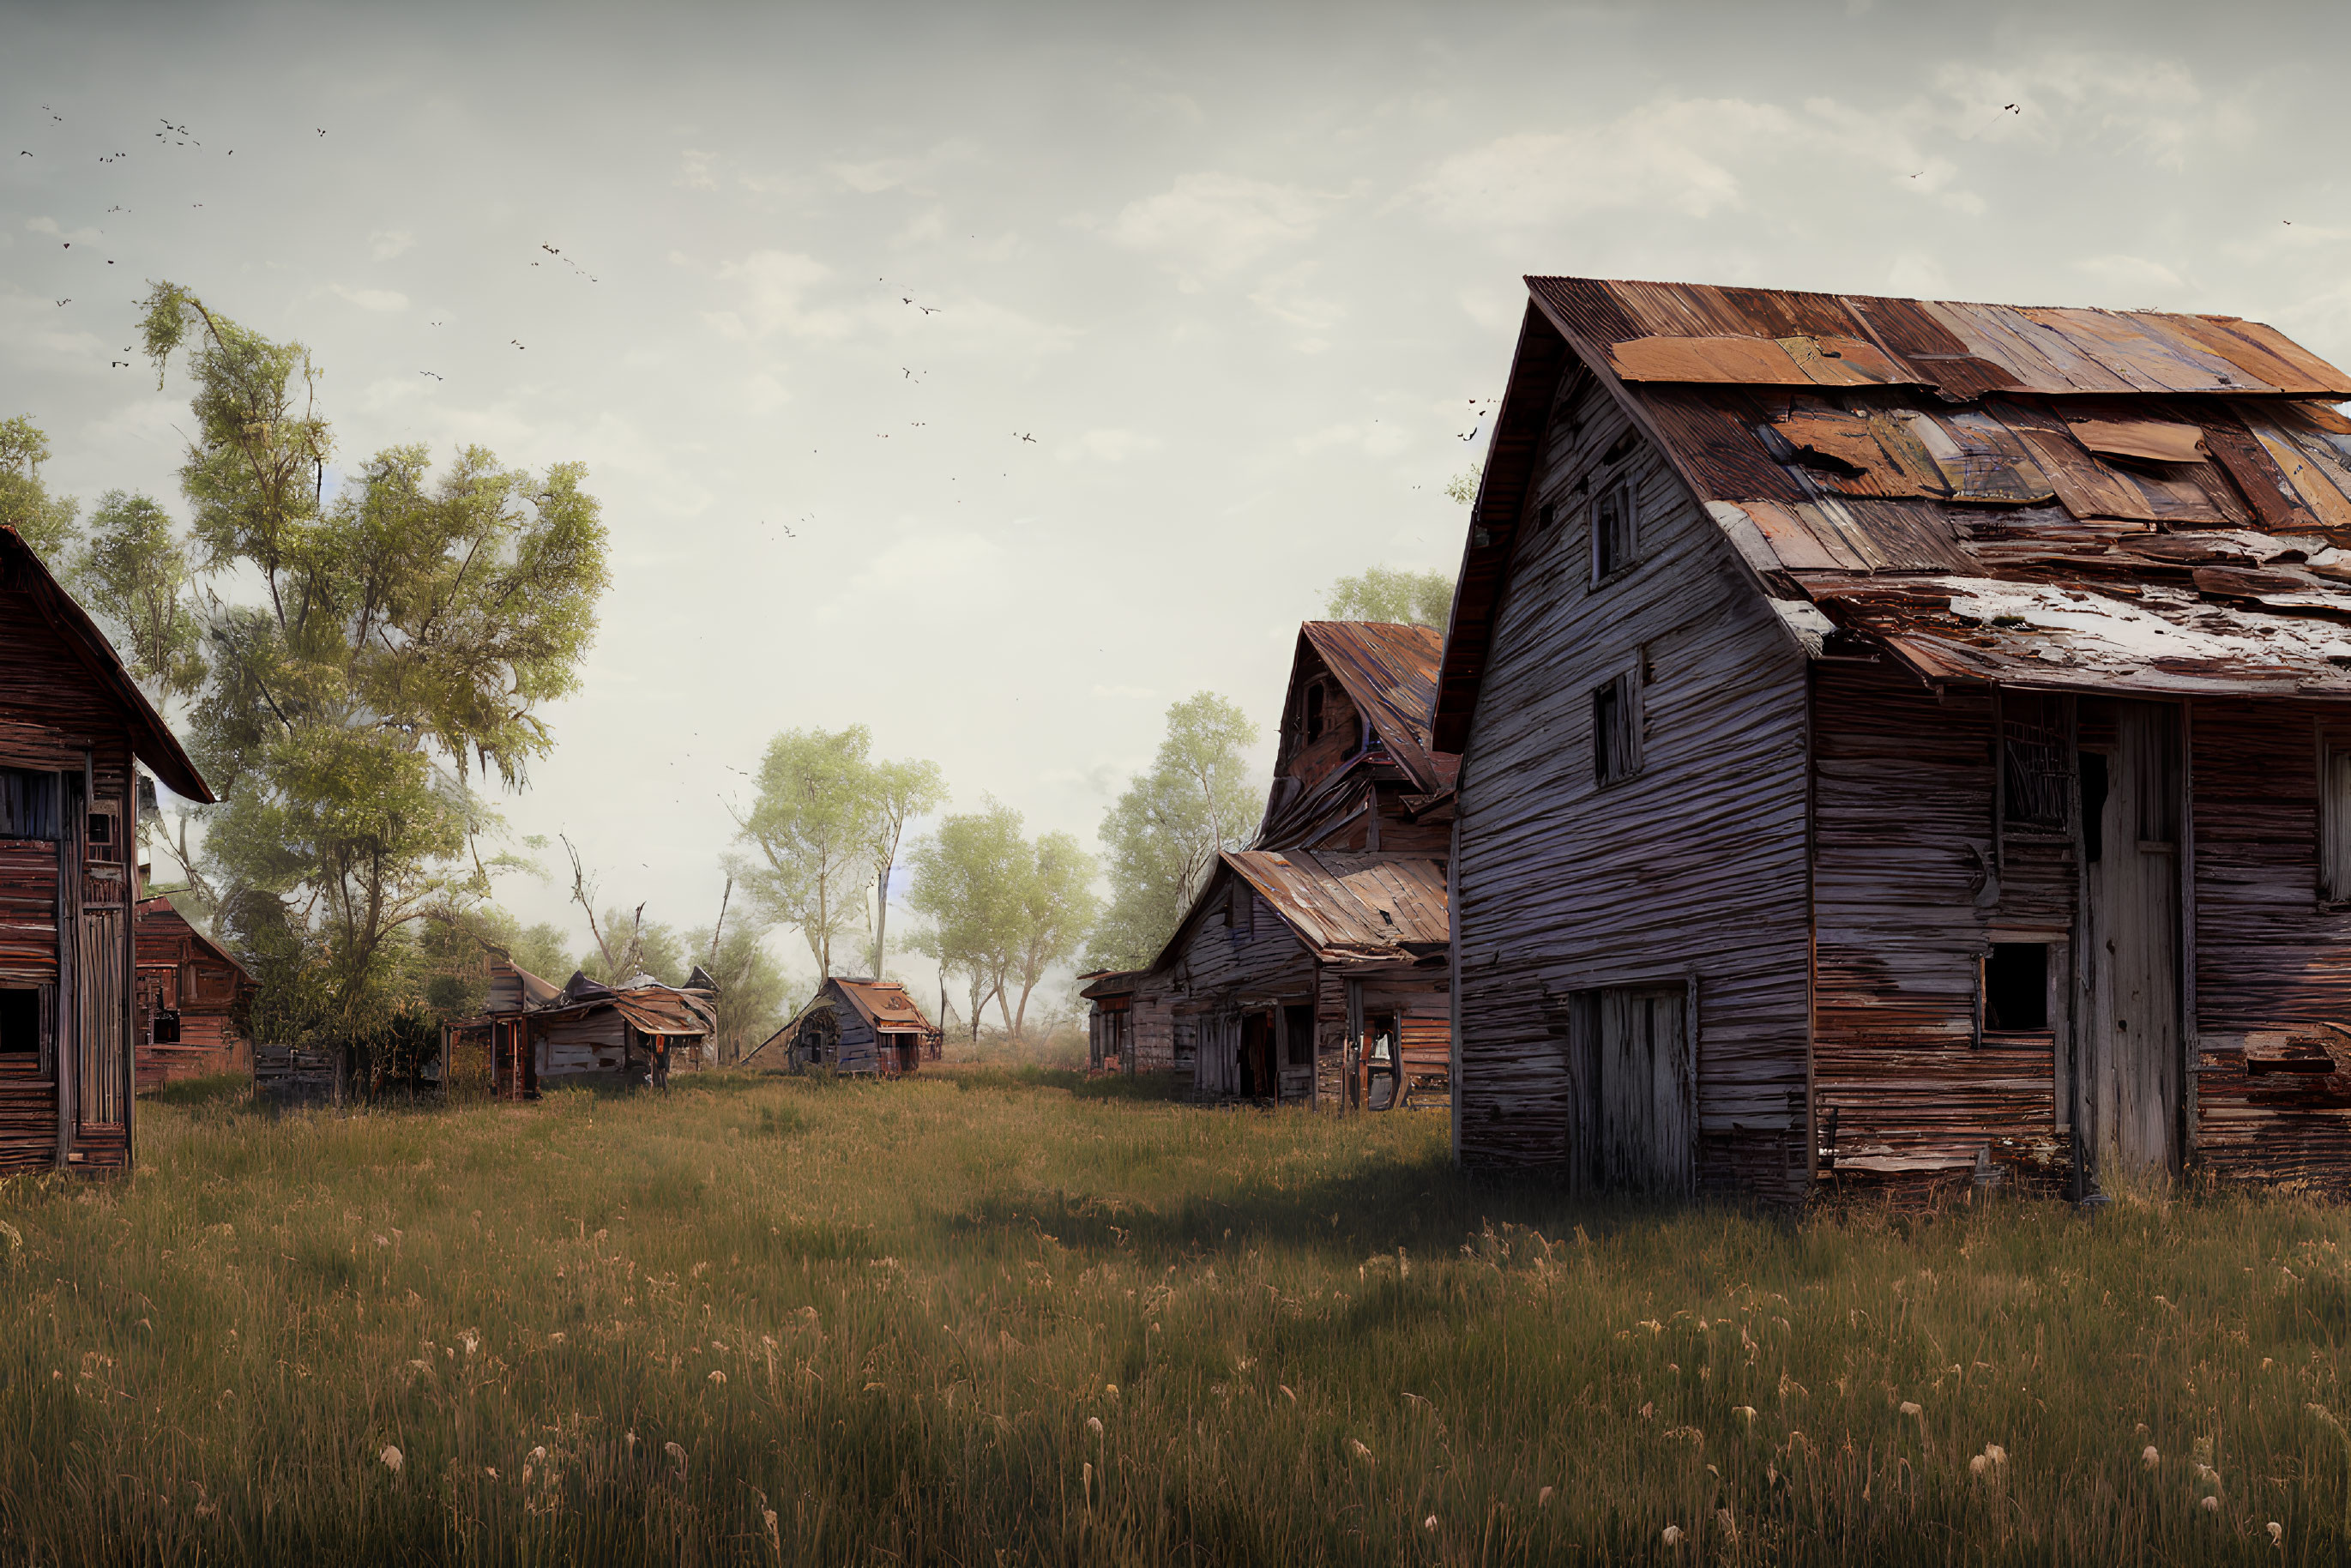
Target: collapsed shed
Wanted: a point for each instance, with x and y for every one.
(1902, 740)
(537, 1035)
(853, 1026)
(1310, 968)
(194, 1004)
(73, 729)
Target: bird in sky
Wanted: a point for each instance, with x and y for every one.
(322, 131)
(1031, 439)
(929, 309)
(435, 374)
(517, 342)
(62, 303)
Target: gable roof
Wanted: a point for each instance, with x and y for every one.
(22, 571)
(2071, 499)
(160, 909)
(884, 1004)
(1389, 672)
(1352, 907)
(1344, 908)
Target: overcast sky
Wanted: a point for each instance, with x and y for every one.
(1240, 273)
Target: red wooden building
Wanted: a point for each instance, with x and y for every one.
(193, 1001)
(73, 726)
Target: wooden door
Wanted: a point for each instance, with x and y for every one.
(2132, 880)
(1647, 1093)
(102, 1006)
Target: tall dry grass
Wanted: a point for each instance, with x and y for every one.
(995, 1322)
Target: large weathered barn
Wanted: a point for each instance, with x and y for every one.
(72, 726)
(1903, 740)
(1310, 968)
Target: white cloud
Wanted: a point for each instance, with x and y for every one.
(70, 236)
(1919, 274)
(371, 299)
(385, 243)
(1676, 155)
(693, 170)
(2131, 273)
(1109, 445)
(1210, 225)
(774, 285)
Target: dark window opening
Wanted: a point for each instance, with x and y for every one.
(2093, 771)
(1615, 731)
(1380, 1065)
(1314, 712)
(2035, 787)
(167, 1026)
(28, 804)
(1613, 531)
(20, 1022)
(2016, 986)
(1298, 1049)
(102, 827)
(1545, 515)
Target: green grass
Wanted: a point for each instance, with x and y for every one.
(880, 1321)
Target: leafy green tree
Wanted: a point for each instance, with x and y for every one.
(134, 573)
(755, 995)
(827, 817)
(1002, 910)
(42, 521)
(1462, 489)
(900, 791)
(1162, 837)
(1058, 908)
(640, 947)
(452, 956)
(1390, 593)
(402, 634)
(966, 884)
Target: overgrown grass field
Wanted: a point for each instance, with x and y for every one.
(996, 1322)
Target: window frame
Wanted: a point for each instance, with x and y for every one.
(1623, 493)
(2334, 820)
(1625, 688)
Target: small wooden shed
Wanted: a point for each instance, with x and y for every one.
(194, 1001)
(539, 1035)
(1903, 742)
(73, 726)
(852, 1026)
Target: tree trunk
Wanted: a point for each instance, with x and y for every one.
(881, 921)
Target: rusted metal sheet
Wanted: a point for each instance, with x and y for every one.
(1353, 908)
(1693, 333)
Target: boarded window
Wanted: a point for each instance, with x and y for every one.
(1614, 531)
(2036, 756)
(2335, 828)
(1616, 729)
(28, 804)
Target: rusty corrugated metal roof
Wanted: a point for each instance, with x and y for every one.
(1389, 671)
(1351, 907)
(884, 1003)
(2065, 499)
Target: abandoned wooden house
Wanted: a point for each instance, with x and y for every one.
(1903, 741)
(73, 727)
(536, 1035)
(1311, 968)
(852, 1026)
(194, 1004)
